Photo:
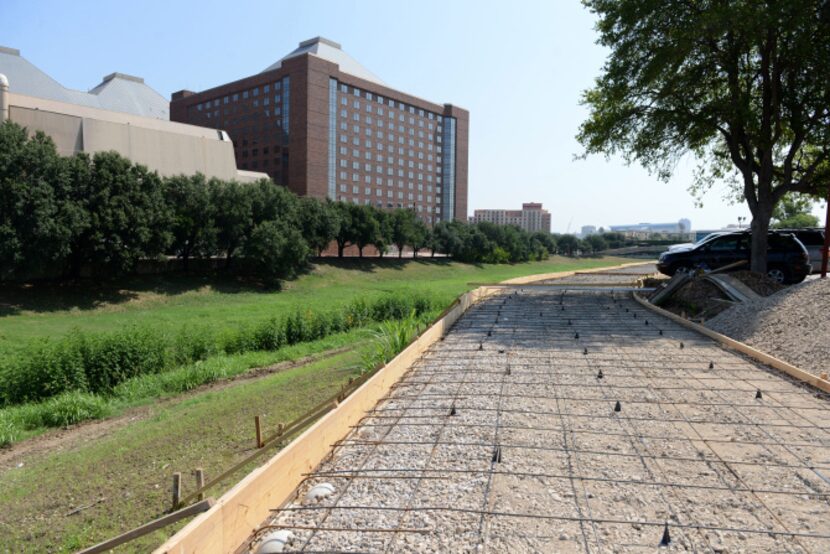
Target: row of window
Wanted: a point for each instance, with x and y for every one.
(380, 100)
(391, 193)
(426, 210)
(244, 95)
(344, 176)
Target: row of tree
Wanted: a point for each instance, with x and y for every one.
(61, 215)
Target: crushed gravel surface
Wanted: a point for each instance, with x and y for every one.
(793, 325)
(504, 438)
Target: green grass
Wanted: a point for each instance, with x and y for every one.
(132, 467)
(168, 303)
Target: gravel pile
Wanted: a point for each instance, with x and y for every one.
(793, 325)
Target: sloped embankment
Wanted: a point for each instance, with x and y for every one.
(793, 325)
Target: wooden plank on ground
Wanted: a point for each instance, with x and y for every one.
(163, 521)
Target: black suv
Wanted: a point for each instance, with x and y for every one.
(813, 241)
(787, 259)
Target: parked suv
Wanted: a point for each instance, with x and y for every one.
(813, 241)
(787, 259)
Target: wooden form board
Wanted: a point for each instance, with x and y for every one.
(753, 353)
(242, 509)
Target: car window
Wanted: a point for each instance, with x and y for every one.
(725, 244)
(810, 238)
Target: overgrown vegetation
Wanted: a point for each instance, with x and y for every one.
(392, 338)
(97, 363)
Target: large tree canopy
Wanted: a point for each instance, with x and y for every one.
(744, 85)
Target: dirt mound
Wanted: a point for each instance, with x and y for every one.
(758, 282)
(793, 324)
(697, 299)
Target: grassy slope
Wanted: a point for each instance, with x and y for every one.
(172, 302)
(132, 467)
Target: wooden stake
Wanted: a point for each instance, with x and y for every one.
(258, 425)
(177, 489)
(200, 481)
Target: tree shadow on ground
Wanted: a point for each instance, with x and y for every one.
(96, 293)
(370, 265)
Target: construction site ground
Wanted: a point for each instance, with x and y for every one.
(568, 418)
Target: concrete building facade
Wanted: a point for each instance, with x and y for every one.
(532, 217)
(320, 123)
(121, 114)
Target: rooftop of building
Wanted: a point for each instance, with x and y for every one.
(330, 51)
(116, 92)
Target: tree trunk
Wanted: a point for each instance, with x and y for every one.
(340, 247)
(400, 251)
(760, 228)
(359, 251)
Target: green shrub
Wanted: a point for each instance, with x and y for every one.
(42, 370)
(111, 359)
(73, 407)
(100, 363)
(391, 339)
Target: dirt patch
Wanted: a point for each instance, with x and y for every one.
(759, 283)
(697, 299)
(792, 324)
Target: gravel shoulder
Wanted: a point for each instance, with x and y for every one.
(793, 324)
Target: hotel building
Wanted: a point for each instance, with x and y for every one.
(321, 124)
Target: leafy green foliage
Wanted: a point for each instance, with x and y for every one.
(193, 227)
(741, 85)
(794, 212)
(391, 339)
(99, 363)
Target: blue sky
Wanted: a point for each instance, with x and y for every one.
(519, 67)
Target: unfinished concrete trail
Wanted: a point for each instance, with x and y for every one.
(553, 420)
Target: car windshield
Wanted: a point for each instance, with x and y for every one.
(707, 238)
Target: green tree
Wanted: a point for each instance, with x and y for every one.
(319, 221)
(233, 204)
(742, 85)
(568, 244)
(793, 212)
(365, 227)
(595, 243)
(276, 251)
(39, 217)
(193, 217)
(421, 237)
(345, 233)
(127, 218)
(402, 225)
(446, 237)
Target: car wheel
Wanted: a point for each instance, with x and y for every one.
(777, 274)
(682, 269)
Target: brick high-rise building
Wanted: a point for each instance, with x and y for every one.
(531, 217)
(320, 123)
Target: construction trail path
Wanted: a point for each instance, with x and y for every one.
(571, 419)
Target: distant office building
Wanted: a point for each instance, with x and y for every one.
(683, 226)
(588, 230)
(121, 114)
(320, 123)
(531, 217)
